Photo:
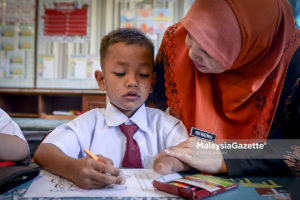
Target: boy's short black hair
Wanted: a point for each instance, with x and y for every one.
(127, 35)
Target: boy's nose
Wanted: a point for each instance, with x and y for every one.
(132, 82)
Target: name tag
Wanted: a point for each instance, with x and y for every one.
(203, 134)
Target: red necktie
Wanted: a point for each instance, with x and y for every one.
(132, 156)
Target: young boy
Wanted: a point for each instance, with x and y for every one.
(127, 76)
(13, 145)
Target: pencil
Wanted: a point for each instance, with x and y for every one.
(90, 154)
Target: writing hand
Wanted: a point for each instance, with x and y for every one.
(89, 173)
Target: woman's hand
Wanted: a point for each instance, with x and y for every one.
(203, 159)
(89, 173)
(168, 164)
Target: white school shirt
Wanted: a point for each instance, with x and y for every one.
(9, 127)
(98, 130)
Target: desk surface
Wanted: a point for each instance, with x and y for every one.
(247, 190)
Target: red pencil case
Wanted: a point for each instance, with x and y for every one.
(197, 186)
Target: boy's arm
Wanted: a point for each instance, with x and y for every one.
(167, 164)
(13, 148)
(84, 172)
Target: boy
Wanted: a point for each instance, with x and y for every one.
(13, 145)
(127, 76)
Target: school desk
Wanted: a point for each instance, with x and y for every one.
(249, 188)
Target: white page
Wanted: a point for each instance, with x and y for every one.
(138, 184)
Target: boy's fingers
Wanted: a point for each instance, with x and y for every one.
(107, 179)
(108, 169)
(97, 184)
(105, 160)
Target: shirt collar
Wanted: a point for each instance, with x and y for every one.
(114, 117)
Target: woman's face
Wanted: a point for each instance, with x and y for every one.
(203, 62)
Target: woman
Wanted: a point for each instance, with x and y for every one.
(232, 68)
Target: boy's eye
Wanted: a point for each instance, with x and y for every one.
(119, 74)
(145, 75)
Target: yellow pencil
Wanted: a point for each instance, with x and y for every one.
(90, 154)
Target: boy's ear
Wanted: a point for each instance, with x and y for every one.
(100, 79)
(153, 81)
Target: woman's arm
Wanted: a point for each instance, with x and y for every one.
(168, 164)
(209, 160)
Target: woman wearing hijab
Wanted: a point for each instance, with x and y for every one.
(231, 68)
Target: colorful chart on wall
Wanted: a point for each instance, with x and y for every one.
(64, 20)
(128, 18)
(162, 20)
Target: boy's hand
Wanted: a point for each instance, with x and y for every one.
(90, 174)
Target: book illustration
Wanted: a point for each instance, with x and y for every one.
(60, 185)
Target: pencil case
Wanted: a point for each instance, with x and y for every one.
(12, 176)
(197, 186)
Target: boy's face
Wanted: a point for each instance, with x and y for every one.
(127, 76)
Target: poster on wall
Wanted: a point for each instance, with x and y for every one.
(27, 13)
(46, 66)
(14, 11)
(145, 20)
(64, 20)
(3, 67)
(128, 18)
(7, 44)
(16, 61)
(162, 20)
(11, 13)
(78, 67)
(93, 64)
